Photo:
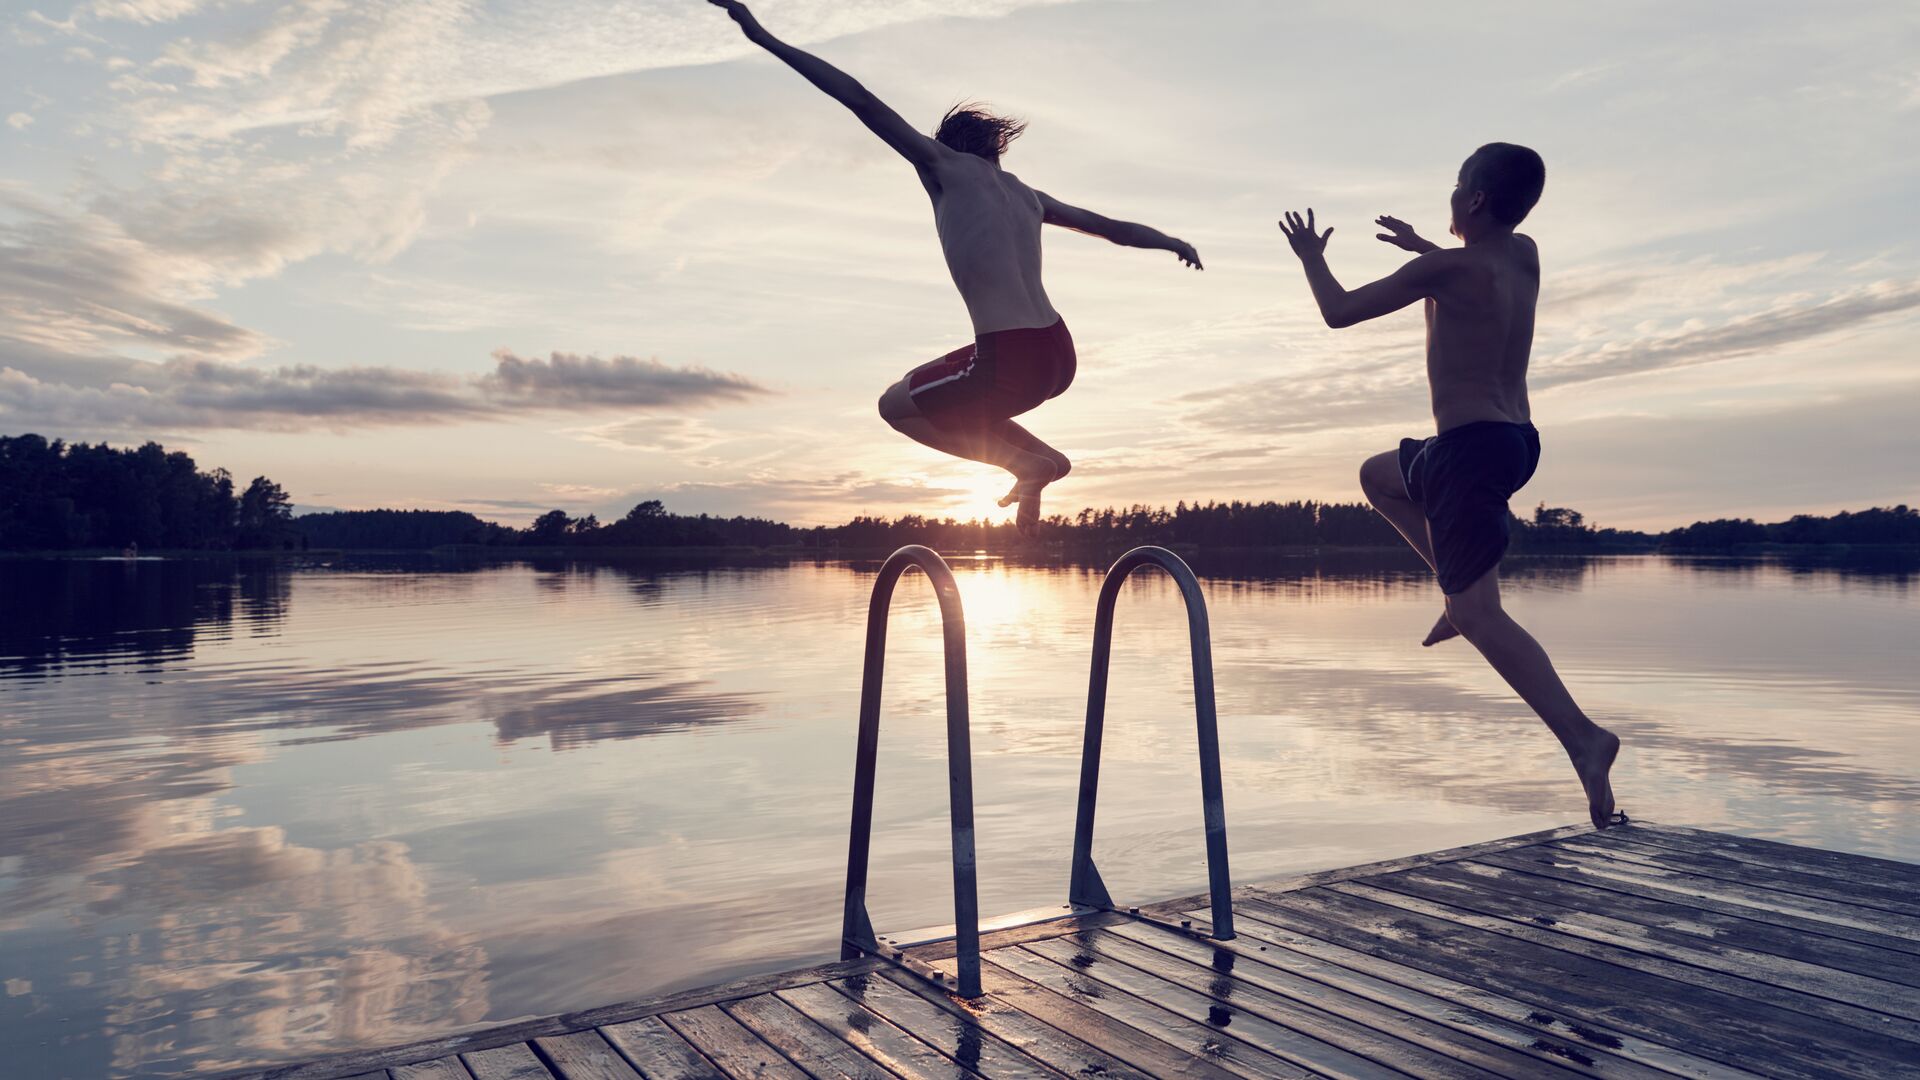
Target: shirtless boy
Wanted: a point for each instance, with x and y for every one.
(989, 227)
(1448, 494)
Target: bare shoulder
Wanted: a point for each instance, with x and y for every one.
(1445, 264)
(954, 167)
(1530, 249)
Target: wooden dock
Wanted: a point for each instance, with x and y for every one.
(1646, 951)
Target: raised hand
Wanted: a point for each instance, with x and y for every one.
(1302, 236)
(1401, 235)
(1186, 253)
(739, 12)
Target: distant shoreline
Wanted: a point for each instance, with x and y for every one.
(1055, 550)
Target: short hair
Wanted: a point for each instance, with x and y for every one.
(969, 128)
(1512, 177)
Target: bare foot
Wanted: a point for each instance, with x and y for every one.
(1442, 630)
(1595, 766)
(1026, 491)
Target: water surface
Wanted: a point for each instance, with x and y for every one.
(257, 812)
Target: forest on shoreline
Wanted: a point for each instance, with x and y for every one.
(57, 496)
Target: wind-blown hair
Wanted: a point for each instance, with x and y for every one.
(1512, 176)
(969, 128)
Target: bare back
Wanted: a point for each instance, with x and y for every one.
(1480, 332)
(989, 227)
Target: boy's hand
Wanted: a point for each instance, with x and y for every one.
(1301, 235)
(1401, 235)
(740, 14)
(1186, 253)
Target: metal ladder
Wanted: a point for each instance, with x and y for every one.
(856, 929)
(1086, 889)
(1085, 886)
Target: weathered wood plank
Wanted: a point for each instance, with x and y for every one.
(1843, 872)
(658, 1051)
(872, 1034)
(961, 1039)
(1837, 912)
(1623, 865)
(448, 1068)
(1856, 999)
(1578, 1040)
(584, 1055)
(1546, 863)
(516, 1062)
(1051, 1047)
(1684, 924)
(377, 1074)
(1311, 1009)
(804, 1042)
(739, 1052)
(1319, 1055)
(935, 951)
(342, 1066)
(1745, 1033)
(1202, 1040)
(1900, 902)
(1790, 856)
(1405, 1017)
(1143, 1052)
(1384, 866)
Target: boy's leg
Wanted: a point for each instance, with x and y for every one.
(1028, 441)
(1027, 487)
(1520, 660)
(1033, 463)
(1386, 489)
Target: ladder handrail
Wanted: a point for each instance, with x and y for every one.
(1085, 885)
(856, 929)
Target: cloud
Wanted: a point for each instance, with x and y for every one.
(199, 394)
(187, 394)
(1373, 375)
(665, 432)
(19, 121)
(79, 283)
(1789, 320)
(363, 67)
(143, 11)
(567, 380)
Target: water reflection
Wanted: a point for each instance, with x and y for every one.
(256, 811)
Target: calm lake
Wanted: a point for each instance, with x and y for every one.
(257, 812)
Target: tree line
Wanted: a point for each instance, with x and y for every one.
(1212, 524)
(61, 496)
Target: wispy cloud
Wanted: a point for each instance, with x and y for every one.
(185, 394)
(79, 283)
(566, 380)
(1790, 320)
(1711, 312)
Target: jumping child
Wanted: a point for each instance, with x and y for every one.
(1447, 495)
(989, 228)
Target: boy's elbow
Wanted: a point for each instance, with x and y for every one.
(1338, 320)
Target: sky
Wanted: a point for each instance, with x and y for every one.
(531, 254)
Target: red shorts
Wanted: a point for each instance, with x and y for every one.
(1000, 375)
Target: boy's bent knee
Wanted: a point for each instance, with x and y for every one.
(895, 404)
(1379, 477)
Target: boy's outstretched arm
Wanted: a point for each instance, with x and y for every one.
(1401, 235)
(1126, 233)
(922, 151)
(1418, 280)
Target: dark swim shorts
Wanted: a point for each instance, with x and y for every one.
(1000, 375)
(1462, 479)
